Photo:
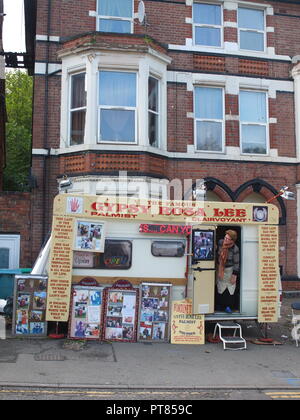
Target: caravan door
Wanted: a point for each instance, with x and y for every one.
(203, 269)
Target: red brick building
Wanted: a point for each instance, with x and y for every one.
(199, 89)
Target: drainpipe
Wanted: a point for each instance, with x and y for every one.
(2, 94)
(296, 76)
(45, 170)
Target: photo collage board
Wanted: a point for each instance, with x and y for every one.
(121, 312)
(154, 312)
(30, 299)
(85, 321)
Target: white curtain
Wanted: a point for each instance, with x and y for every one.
(116, 8)
(117, 89)
(209, 103)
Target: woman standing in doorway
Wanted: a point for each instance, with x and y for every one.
(228, 270)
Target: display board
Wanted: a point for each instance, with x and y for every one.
(30, 299)
(120, 312)
(86, 313)
(154, 312)
(187, 328)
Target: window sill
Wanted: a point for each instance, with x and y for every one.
(229, 49)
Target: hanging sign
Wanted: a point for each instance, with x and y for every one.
(186, 328)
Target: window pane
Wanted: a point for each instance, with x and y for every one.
(117, 125)
(209, 103)
(117, 89)
(119, 8)
(208, 36)
(114, 25)
(153, 94)
(153, 129)
(209, 136)
(251, 41)
(78, 99)
(251, 19)
(207, 14)
(117, 255)
(254, 139)
(77, 127)
(168, 249)
(4, 258)
(253, 107)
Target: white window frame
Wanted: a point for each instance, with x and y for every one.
(266, 124)
(264, 31)
(70, 110)
(206, 25)
(12, 243)
(158, 113)
(222, 121)
(126, 108)
(126, 19)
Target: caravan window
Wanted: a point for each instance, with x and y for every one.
(117, 255)
(168, 248)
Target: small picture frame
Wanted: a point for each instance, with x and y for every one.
(89, 236)
(203, 245)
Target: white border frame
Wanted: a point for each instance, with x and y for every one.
(213, 120)
(264, 32)
(124, 108)
(251, 123)
(70, 110)
(221, 26)
(98, 17)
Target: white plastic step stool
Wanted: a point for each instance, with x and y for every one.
(236, 341)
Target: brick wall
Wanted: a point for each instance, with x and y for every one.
(15, 217)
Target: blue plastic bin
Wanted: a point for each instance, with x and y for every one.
(7, 281)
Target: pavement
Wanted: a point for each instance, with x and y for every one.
(46, 362)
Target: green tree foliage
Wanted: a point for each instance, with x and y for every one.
(18, 130)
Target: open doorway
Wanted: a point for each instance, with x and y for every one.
(227, 299)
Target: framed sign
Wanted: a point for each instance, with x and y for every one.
(86, 313)
(121, 312)
(154, 312)
(187, 328)
(89, 236)
(203, 245)
(30, 299)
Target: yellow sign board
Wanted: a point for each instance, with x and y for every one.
(186, 328)
(60, 269)
(268, 274)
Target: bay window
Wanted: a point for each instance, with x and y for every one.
(253, 122)
(77, 109)
(117, 106)
(153, 111)
(209, 119)
(115, 16)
